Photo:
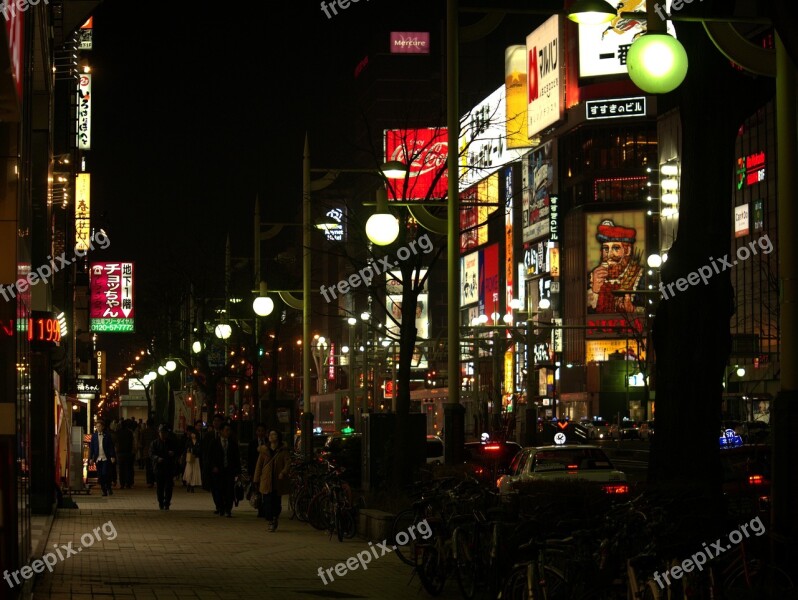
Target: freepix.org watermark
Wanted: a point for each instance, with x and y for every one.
(383, 265)
(44, 272)
(342, 4)
(705, 272)
(676, 6)
(699, 559)
(61, 553)
(11, 7)
(363, 558)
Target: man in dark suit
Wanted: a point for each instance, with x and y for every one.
(163, 456)
(225, 470)
(103, 455)
(208, 445)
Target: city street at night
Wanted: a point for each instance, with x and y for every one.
(405, 298)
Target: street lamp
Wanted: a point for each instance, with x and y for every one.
(592, 12)
(382, 227)
(263, 305)
(223, 331)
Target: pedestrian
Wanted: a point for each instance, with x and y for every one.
(162, 455)
(137, 427)
(209, 445)
(225, 470)
(192, 475)
(103, 455)
(124, 454)
(253, 454)
(148, 436)
(271, 472)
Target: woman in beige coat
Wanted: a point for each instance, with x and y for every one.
(271, 472)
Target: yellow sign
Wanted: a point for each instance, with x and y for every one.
(600, 350)
(82, 212)
(515, 83)
(509, 372)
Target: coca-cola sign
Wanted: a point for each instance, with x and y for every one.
(426, 152)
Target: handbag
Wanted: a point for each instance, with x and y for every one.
(254, 496)
(239, 491)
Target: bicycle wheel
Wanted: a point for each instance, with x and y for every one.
(464, 543)
(401, 524)
(320, 512)
(763, 581)
(431, 569)
(515, 587)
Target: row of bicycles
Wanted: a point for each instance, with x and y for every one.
(496, 549)
(320, 497)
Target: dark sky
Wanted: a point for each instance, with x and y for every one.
(198, 107)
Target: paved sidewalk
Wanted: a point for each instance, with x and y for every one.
(188, 552)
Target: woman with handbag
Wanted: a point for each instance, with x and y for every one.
(271, 472)
(192, 474)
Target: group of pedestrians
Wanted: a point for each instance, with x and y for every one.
(209, 459)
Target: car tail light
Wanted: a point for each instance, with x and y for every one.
(479, 470)
(756, 480)
(493, 447)
(616, 488)
(573, 467)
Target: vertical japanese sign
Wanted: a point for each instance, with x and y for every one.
(82, 212)
(509, 267)
(85, 35)
(84, 112)
(111, 297)
(489, 280)
(545, 69)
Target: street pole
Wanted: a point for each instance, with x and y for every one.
(454, 413)
(307, 415)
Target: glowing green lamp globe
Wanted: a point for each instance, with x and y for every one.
(657, 63)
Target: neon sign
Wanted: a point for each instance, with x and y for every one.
(750, 169)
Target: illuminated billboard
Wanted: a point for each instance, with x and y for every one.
(82, 212)
(84, 112)
(426, 151)
(616, 244)
(111, 307)
(483, 140)
(545, 79)
(393, 302)
(538, 177)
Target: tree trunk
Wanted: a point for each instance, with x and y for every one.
(691, 330)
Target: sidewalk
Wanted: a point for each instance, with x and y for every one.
(188, 552)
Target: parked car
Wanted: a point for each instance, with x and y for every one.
(546, 463)
(487, 461)
(345, 450)
(746, 480)
(434, 450)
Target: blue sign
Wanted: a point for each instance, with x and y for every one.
(730, 439)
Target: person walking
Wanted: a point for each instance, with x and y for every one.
(210, 446)
(271, 472)
(124, 454)
(192, 474)
(253, 454)
(148, 436)
(162, 455)
(103, 455)
(225, 470)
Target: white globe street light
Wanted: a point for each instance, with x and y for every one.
(162, 371)
(170, 365)
(544, 303)
(196, 347)
(740, 372)
(223, 331)
(654, 261)
(382, 227)
(263, 306)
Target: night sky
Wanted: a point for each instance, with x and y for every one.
(199, 107)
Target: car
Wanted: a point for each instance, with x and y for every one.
(489, 460)
(434, 450)
(746, 479)
(599, 429)
(626, 430)
(646, 430)
(546, 463)
(345, 450)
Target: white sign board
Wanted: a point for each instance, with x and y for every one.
(545, 76)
